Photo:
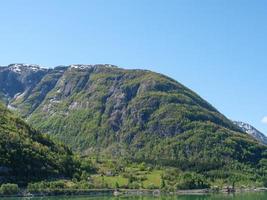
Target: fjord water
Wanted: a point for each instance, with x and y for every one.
(243, 196)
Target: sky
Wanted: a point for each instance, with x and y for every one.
(218, 48)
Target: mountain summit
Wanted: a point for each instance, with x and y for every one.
(136, 114)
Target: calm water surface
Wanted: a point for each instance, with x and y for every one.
(247, 196)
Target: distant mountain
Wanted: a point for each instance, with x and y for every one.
(252, 131)
(134, 114)
(26, 155)
(23, 77)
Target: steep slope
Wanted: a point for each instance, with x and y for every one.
(137, 114)
(26, 155)
(19, 79)
(252, 131)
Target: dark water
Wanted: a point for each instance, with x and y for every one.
(246, 196)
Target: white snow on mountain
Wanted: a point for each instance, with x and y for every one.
(80, 66)
(247, 128)
(19, 67)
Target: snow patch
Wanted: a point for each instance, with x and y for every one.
(252, 131)
(80, 66)
(19, 68)
(10, 107)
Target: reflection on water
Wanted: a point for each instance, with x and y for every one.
(245, 196)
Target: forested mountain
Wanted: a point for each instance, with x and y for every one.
(26, 155)
(252, 131)
(135, 114)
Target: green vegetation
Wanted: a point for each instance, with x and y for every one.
(108, 174)
(133, 129)
(137, 176)
(9, 189)
(143, 116)
(26, 155)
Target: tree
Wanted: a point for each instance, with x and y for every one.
(117, 185)
(8, 189)
(162, 182)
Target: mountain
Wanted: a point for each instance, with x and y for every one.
(26, 155)
(134, 114)
(252, 131)
(23, 78)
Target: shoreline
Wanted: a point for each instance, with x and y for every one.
(133, 192)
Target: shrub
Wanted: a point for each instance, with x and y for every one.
(151, 186)
(117, 185)
(142, 166)
(264, 181)
(9, 189)
(133, 185)
(192, 181)
(162, 183)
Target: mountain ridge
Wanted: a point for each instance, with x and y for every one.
(136, 114)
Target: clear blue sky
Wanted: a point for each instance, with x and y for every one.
(218, 48)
